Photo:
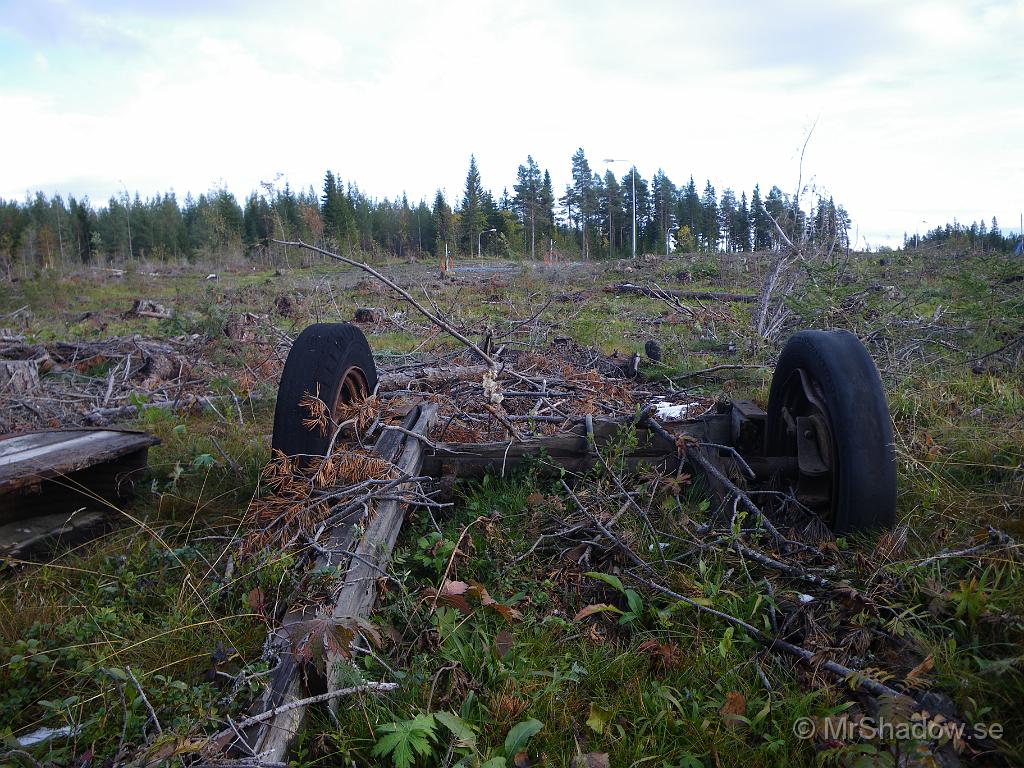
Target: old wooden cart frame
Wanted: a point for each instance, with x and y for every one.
(725, 445)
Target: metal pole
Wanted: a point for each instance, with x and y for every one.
(479, 240)
(633, 175)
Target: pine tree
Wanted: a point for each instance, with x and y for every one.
(726, 218)
(584, 196)
(611, 208)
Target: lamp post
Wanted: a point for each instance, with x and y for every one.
(128, 217)
(632, 176)
(479, 241)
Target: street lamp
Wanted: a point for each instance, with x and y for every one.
(128, 217)
(479, 241)
(632, 176)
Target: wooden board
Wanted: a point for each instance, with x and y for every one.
(356, 596)
(50, 471)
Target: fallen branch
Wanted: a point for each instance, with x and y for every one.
(714, 368)
(661, 293)
(431, 316)
(307, 702)
(838, 670)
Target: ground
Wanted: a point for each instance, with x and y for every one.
(166, 604)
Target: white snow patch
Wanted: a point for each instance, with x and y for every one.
(43, 734)
(666, 411)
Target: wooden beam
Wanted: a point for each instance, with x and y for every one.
(271, 739)
(568, 450)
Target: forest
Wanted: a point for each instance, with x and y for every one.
(592, 218)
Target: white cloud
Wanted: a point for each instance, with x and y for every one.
(915, 104)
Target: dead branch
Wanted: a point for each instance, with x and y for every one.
(431, 316)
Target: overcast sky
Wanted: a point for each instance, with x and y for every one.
(918, 107)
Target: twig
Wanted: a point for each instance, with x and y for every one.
(432, 317)
(318, 699)
(142, 693)
(840, 671)
(713, 368)
(995, 539)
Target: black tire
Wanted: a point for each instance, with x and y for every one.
(863, 495)
(334, 357)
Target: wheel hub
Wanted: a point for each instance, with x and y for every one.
(809, 438)
(352, 387)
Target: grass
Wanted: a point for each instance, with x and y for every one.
(157, 596)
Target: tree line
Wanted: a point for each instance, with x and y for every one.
(973, 237)
(593, 217)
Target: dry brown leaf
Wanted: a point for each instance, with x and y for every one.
(503, 643)
(590, 610)
(735, 704)
(920, 671)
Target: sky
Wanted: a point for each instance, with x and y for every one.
(912, 112)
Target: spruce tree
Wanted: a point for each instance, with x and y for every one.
(472, 217)
(664, 194)
(527, 202)
(709, 226)
(443, 225)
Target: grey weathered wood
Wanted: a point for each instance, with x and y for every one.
(430, 377)
(19, 377)
(272, 739)
(36, 466)
(569, 450)
(42, 534)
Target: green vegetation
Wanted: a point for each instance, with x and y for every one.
(164, 599)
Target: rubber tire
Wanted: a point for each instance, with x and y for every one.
(320, 356)
(864, 494)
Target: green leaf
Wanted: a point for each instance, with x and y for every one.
(204, 461)
(726, 642)
(607, 578)
(494, 762)
(520, 735)
(404, 739)
(463, 731)
(598, 718)
(636, 605)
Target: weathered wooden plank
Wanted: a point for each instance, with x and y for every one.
(29, 457)
(17, 443)
(569, 450)
(56, 471)
(430, 377)
(43, 534)
(273, 738)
